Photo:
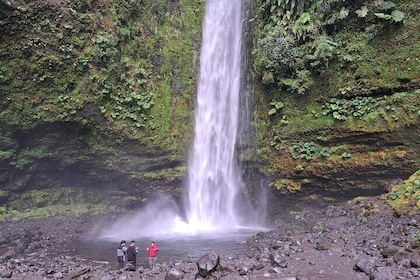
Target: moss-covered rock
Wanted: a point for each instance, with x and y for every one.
(405, 197)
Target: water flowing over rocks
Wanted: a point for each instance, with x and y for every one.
(345, 242)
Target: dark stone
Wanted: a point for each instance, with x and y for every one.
(382, 273)
(208, 264)
(130, 267)
(243, 270)
(365, 265)
(415, 261)
(6, 274)
(279, 260)
(323, 246)
(258, 266)
(389, 251)
(8, 255)
(174, 274)
(402, 258)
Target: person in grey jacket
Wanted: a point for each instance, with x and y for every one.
(121, 254)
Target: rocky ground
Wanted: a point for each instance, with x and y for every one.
(360, 240)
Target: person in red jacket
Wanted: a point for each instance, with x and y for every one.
(153, 250)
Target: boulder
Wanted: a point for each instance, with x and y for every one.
(8, 255)
(382, 273)
(403, 258)
(415, 261)
(174, 274)
(208, 264)
(365, 265)
(130, 267)
(279, 260)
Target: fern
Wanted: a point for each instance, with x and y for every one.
(323, 51)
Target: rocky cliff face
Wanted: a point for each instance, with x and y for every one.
(346, 122)
(97, 100)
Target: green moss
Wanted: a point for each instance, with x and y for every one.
(286, 185)
(57, 210)
(405, 198)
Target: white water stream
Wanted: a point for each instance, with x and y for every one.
(213, 180)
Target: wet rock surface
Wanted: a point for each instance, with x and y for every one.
(361, 240)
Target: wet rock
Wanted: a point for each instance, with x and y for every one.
(174, 274)
(279, 260)
(365, 265)
(382, 244)
(413, 273)
(243, 270)
(278, 270)
(8, 255)
(403, 258)
(389, 251)
(323, 245)
(6, 274)
(258, 266)
(130, 267)
(208, 263)
(382, 273)
(415, 260)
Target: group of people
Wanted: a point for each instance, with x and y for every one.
(129, 254)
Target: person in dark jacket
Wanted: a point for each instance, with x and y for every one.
(121, 254)
(132, 253)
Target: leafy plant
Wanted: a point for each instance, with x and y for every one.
(362, 12)
(276, 105)
(323, 50)
(342, 109)
(346, 155)
(308, 150)
(396, 16)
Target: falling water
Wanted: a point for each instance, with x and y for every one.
(213, 179)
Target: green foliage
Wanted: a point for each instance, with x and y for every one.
(69, 61)
(416, 236)
(405, 197)
(5, 154)
(308, 150)
(301, 83)
(280, 55)
(337, 16)
(323, 51)
(345, 155)
(276, 106)
(287, 185)
(298, 39)
(396, 16)
(305, 27)
(342, 109)
(387, 5)
(59, 210)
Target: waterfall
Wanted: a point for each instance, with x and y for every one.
(213, 180)
(216, 199)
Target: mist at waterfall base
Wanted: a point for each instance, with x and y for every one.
(161, 222)
(217, 216)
